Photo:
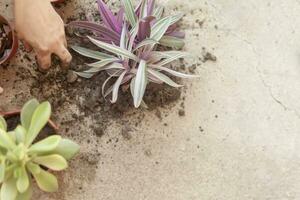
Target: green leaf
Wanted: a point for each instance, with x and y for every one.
(103, 62)
(6, 141)
(129, 12)
(163, 78)
(46, 181)
(2, 170)
(158, 12)
(140, 84)
(39, 119)
(160, 28)
(9, 190)
(116, 87)
(46, 145)
(66, 148)
(54, 162)
(175, 73)
(123, 39)
(176, 18)
(33, 168)
(20, 134)
(144, 9)
(3, 124)
(91, 53)
(27, 112)
(145, 43)
(114, 49)
(27, 194)
(173, 58)
(85, 74)
(23, 180)
(132, 83)
(173, 42)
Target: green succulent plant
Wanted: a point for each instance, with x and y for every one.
(21, 160)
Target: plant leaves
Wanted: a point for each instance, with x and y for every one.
(104, 62)
(143, 9)
(108, 17)
(46, 181)
(39, 119)
(27, 194)
(151, 4)
(91, 53)
(27, 112)
(173, 42)
(3, 124)
(129, 12)
(85, 74)
(99, 29)
(46, 145)
(144, 30)
(9, 189)
(20, 134)
(107, 67)
(2, 170)
(54, 162)
(33, 168)
(114, 49)
(159, 28)
(163, 78)
(132, 84)
(176, 18)
(173, 58)
(145, 43)
(23, 180)
(66, 148)
(158, 12)
(123, 39)
(175, 73)
(116, 87)
(6, 141)
(140, 84)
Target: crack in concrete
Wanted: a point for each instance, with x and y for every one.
(269, 88)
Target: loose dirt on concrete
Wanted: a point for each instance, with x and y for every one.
(231, 134)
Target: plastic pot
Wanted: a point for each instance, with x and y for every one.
(14, 42)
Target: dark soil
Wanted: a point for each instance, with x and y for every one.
(14, 121)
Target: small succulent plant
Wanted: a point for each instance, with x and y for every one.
(131, 40)
(21, 160)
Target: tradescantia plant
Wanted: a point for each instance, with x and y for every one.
(131, 40)
(21, 160)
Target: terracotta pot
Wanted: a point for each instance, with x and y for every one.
(17, 112)
(15, 43)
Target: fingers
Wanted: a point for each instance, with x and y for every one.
(64, 55)
(44, 60)
(1, 90)
(27, 47)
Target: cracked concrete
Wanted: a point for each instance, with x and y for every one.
(239, 138)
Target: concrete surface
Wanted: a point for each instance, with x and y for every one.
(239, 139)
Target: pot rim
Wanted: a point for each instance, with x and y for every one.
(17, 112)
(15, 43)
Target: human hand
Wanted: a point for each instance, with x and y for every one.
(38, 24)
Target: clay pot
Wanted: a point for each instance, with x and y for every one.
(14, 42)
(16, 113)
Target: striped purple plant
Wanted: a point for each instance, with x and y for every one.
(131, 39)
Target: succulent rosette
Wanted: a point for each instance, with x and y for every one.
(23, 160)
